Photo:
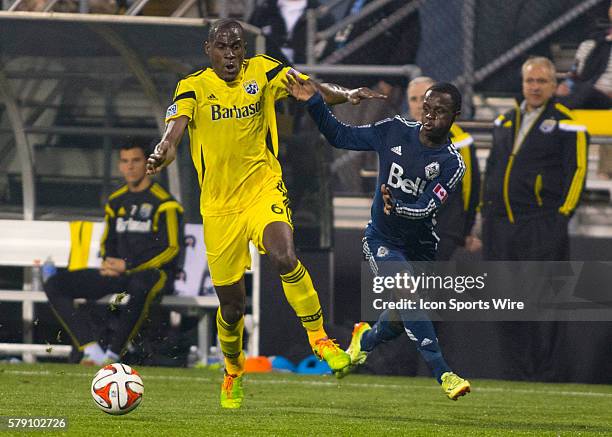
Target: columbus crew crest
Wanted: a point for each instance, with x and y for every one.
(547, 126)
(432, 171)
(251, 87)
(145, 211)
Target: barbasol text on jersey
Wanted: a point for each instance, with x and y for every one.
(395, 180)
(219, 112)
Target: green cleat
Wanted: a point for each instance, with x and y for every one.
(328, 350)
(354, 350)
(454, 386)
(231, 391)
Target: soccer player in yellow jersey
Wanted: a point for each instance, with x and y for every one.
(229, 110)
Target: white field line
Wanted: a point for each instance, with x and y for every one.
(325, 383)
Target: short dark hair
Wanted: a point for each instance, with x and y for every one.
(451, 90)
(144, 144)
(221, 23)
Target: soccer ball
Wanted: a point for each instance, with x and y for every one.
(117, 389)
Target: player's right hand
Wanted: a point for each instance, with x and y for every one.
(156, 160)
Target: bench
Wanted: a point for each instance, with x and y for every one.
(23, 242)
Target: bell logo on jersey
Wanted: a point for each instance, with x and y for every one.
(406, 185)
(440, 193)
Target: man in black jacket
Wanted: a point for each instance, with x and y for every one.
(140, 250)
(283, 22)
(535, 173)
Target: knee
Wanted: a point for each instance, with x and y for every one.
(284, 261)
(53, 286)
(143, 282)
(232, 312)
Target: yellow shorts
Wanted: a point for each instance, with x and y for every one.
(227, 237)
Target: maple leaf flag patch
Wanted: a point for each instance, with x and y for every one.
(440, 192)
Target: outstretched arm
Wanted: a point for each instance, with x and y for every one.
(338, 134)
(332, 93)
(165, 151)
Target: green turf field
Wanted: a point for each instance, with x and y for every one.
(184, 402)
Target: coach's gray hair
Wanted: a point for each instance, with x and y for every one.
(422, 79)
(543, 61)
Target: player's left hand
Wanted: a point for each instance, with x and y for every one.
(387, 199)
(355, 96)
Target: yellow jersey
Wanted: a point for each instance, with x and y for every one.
(232, 131)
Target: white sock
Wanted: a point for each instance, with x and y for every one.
(94, 352)
(111, 356)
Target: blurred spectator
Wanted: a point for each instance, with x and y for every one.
(396, 45)
(283, 22)
(535, 173)
(456, 217)
(589, 85)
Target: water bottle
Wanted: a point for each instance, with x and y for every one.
(193, 357)
(214, 356)
(36, 276)
(48, 269)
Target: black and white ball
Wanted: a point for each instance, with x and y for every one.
(117, 389)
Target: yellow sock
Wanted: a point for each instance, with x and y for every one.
(230, 337)
(304, 300)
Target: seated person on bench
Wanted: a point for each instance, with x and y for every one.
(140, 251)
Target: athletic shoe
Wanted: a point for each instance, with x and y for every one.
(231, 391)
(354, 350)
(328, 350)
(454, 386)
